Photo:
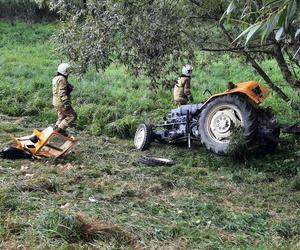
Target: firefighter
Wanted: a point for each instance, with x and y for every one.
(61, 90)
(182, 89)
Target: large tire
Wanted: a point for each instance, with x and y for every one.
(268, 133)
(143, 136)
(221, 117)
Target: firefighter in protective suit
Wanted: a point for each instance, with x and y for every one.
(61, 90)
(182, 89)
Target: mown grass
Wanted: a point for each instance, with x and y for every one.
(100, 196)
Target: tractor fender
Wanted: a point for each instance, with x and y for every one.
(255, 92)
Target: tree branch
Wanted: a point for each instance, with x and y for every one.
(257, 67)
(236, 50)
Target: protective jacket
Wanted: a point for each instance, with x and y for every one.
(62, 102)
(61, 90)
(182, 90)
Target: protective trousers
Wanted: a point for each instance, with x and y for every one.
(65, 117)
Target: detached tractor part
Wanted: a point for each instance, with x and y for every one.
(45, 144)
(213, 122)
(156, 161)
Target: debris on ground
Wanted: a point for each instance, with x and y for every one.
(41, 144)
(155, 161)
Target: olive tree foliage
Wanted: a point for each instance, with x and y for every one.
(275, 25)
(152, 37)
(265, 17)
(155, 37)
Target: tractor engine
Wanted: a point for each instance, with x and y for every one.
(176, 121)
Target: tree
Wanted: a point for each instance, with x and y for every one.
(151, 37)
(148, 36)
(276, 25)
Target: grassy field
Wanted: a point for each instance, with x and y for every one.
(100, 196)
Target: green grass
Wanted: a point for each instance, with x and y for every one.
(101, 197)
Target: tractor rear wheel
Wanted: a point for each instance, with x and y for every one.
(143, 136)
(221, 117)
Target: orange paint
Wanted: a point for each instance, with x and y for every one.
(247, 89)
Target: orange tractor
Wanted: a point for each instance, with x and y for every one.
(214, 121)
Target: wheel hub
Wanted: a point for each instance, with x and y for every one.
(222, 123)
(139, 138)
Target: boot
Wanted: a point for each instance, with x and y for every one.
(60, 131)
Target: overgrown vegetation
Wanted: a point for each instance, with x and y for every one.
(203, 202)
(111, 102)
(153, 38)
(27, 10)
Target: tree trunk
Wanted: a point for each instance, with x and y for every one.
(287, 74)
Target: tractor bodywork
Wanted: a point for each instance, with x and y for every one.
(254, 91)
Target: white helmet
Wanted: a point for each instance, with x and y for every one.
(64, 69)
(187, 70)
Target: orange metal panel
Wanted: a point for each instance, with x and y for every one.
(247, 89)
(50, 143)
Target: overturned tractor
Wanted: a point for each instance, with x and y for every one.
(214, 121)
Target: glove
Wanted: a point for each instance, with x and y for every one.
(191, 99)
(70, 88)
(67, 106)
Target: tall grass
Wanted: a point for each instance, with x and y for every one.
(111, 102)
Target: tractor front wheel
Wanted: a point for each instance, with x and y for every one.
(221, 117)
(143, 136)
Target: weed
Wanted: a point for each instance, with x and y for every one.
(124, 127)
(57, 224)
(238, 147)
(295, 184)
(8, 201)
